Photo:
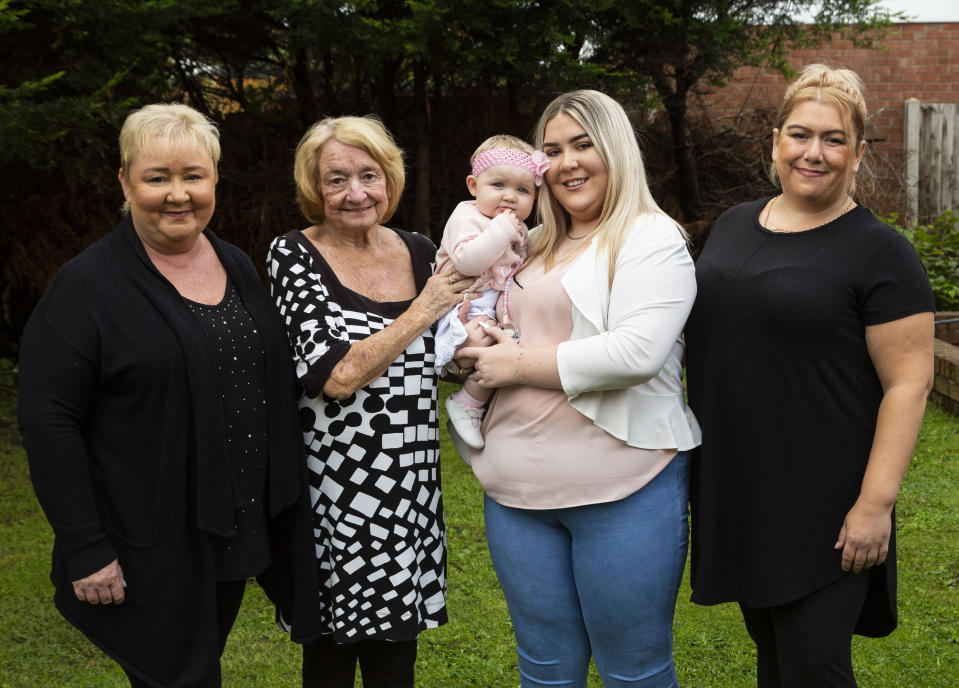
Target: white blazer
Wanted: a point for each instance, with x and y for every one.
(622, 367)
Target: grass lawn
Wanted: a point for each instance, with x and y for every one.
(38, 648)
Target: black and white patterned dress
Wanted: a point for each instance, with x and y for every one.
(373, 458)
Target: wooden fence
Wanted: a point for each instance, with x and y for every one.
(931, 138)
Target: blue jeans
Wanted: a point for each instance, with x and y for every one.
(597, 580)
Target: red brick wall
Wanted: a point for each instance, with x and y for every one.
(948, 332)
(945, 390)
(917, 61)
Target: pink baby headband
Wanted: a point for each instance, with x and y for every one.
(537, 163)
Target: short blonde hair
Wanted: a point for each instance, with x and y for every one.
(366, 133)
(168, 122)
(627, 193)
(841, 88)
(501, 141)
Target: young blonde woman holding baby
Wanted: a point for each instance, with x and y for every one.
(585, 465)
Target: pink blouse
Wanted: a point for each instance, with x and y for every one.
(540, 452)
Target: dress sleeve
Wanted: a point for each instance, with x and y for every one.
(58, 381)
(652, 293)
(314, 321)
(895, 283)
(475, 241)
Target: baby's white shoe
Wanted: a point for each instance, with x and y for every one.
(461, 447)
(464, 425)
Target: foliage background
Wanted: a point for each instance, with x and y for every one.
(937, 244)
(442, 74)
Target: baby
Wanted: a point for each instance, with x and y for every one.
(486, 238)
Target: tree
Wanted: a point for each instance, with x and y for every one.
(442, 74)
(681, 46)
(63, 93)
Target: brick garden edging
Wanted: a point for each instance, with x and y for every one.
(945, 390)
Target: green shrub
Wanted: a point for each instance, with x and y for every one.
(8, 371)
(938, 247)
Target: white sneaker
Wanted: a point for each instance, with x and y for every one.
(464, 424)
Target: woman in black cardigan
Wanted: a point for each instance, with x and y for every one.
(158, 411)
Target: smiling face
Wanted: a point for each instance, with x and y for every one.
(353, 187)
(503, 187)
(171, 189)
(816, 155)
(577, 176)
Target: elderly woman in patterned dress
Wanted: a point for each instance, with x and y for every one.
(359, 301)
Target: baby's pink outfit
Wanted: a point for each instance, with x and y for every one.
(476, 245)
(481, 246)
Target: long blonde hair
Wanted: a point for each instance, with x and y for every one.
(627, 193)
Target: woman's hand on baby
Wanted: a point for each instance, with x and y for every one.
(443, 292)
(476, 336)
(494, 365)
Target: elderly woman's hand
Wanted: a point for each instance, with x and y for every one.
(105, 586)
(441, 293)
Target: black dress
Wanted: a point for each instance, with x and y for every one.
(241, 374)
(372, 459)
(787, 397)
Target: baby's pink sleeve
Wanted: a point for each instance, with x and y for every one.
(477, 241)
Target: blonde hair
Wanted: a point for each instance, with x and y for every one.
(627, 193)
(501, 141)
(366, 133)
(841, 88)
(167, 122)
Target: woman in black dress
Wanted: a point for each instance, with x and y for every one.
(809, 362)
(359, 301)
(158, 412)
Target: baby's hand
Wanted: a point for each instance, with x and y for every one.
(476, 335)
(517, 224)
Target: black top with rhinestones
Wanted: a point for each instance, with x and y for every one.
(241, 370)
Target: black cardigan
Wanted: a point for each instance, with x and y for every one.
(120, 415)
